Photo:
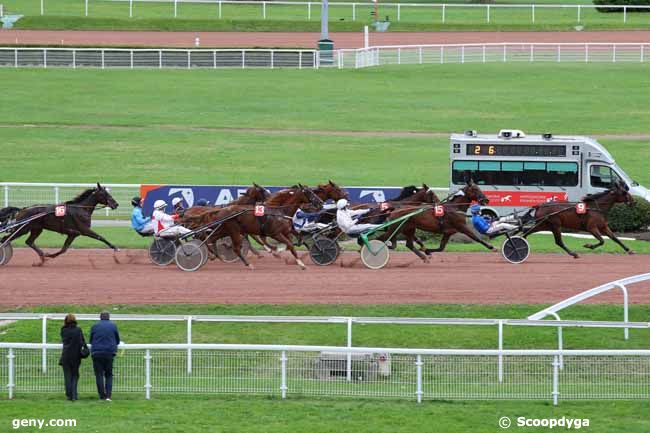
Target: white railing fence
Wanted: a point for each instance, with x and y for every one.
(43, 57)
(493, 53)
(28, 194)
(416, 374)
(439, 12)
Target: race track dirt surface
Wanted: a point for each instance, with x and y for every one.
(300, 39)
(93, 277)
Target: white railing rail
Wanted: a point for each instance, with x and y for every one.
(613, 285)
(177, 58)
(22, 194)
(444, 9)
(493, 53)
(415, 374)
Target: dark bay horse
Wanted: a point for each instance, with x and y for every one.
(557, 216)
(454, 220)
(75, 221)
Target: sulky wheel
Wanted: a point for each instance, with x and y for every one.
(515, 249)
(227, 254)
(323, 251)
(190, 256)
(162, 251)
(375, 255)
(6, 252)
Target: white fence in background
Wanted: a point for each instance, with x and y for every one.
(29, 194)
(493, 53)
(154, 58)
(440, 12)
(416, 374)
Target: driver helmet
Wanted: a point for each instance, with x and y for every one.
(341, 204)
(176, 200)
(202, 202)
(135, 201)
(475, 209)
(160, 204)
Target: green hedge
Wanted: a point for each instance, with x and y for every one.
(623, 218)
(622, 3)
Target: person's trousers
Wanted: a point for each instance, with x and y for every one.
(103, 367)
(71, 377)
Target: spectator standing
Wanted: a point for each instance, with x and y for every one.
(104, 339)
(73, 341)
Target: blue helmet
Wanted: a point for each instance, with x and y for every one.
(201, 202)
(475, 209)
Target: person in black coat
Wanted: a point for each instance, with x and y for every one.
(73, 340)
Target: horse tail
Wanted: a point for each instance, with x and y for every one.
(8, 213)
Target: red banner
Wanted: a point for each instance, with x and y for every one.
(524, 198)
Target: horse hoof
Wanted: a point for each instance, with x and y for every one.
(575, 256)
(630, 252)
(250, 267)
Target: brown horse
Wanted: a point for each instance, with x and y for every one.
(557, 216)
(74, 220)
(453, 220)
(240, 220)
(330, 191)
(192, 217)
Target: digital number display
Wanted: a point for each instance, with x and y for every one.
(515, 150)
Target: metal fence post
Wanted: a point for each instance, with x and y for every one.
(175, 8)
(586, 53)
(103, 59)
(160, 59)
(272, 53)
(532, 52)
(74, 59)
(399, 56)
(462, 54)
(443, 13)
(624, 14)
(283, 385)
(42, 7)
(626, 331)
(45, 58)
(10, 382)
(556, 380)
(264, 10)
(579, 7)
(418, 368)
(483, 53)
(214, 59)
(399, 11)
(44, 340)
(189, 61)
(16, 57)
(189, 341)
(299, 60)
(504, 53)
(420, 54)
(308, 11)
(642, 48)
(500, 351)
(56, 194)
(354, 11)
(6, 195)
(130, 8)
(533, 12)
(219, 9)
(442, 54)
(147, 374)
(560, 346)
(559, 53)
(614, 53)
(348, 367)
(243, 59)
(488, 13)
(86, 7)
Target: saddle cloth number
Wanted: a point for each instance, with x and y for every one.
(259, 211)
(581, 208)
(383, 206)
(439, 211)
(59, 211)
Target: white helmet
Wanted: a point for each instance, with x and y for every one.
(176, 200)
(341, 204)
(159, 204)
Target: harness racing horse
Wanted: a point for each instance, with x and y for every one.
(557, 216)
(193, 217)
(453, 219)
(72, 218)
(239, 220)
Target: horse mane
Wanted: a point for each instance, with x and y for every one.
(280, 197)
(594, 197)
(83, 196)
(406, 192)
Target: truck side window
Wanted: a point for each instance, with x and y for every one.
(602, 176)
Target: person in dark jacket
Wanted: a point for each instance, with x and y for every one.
(104, 339)
(73, 340)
